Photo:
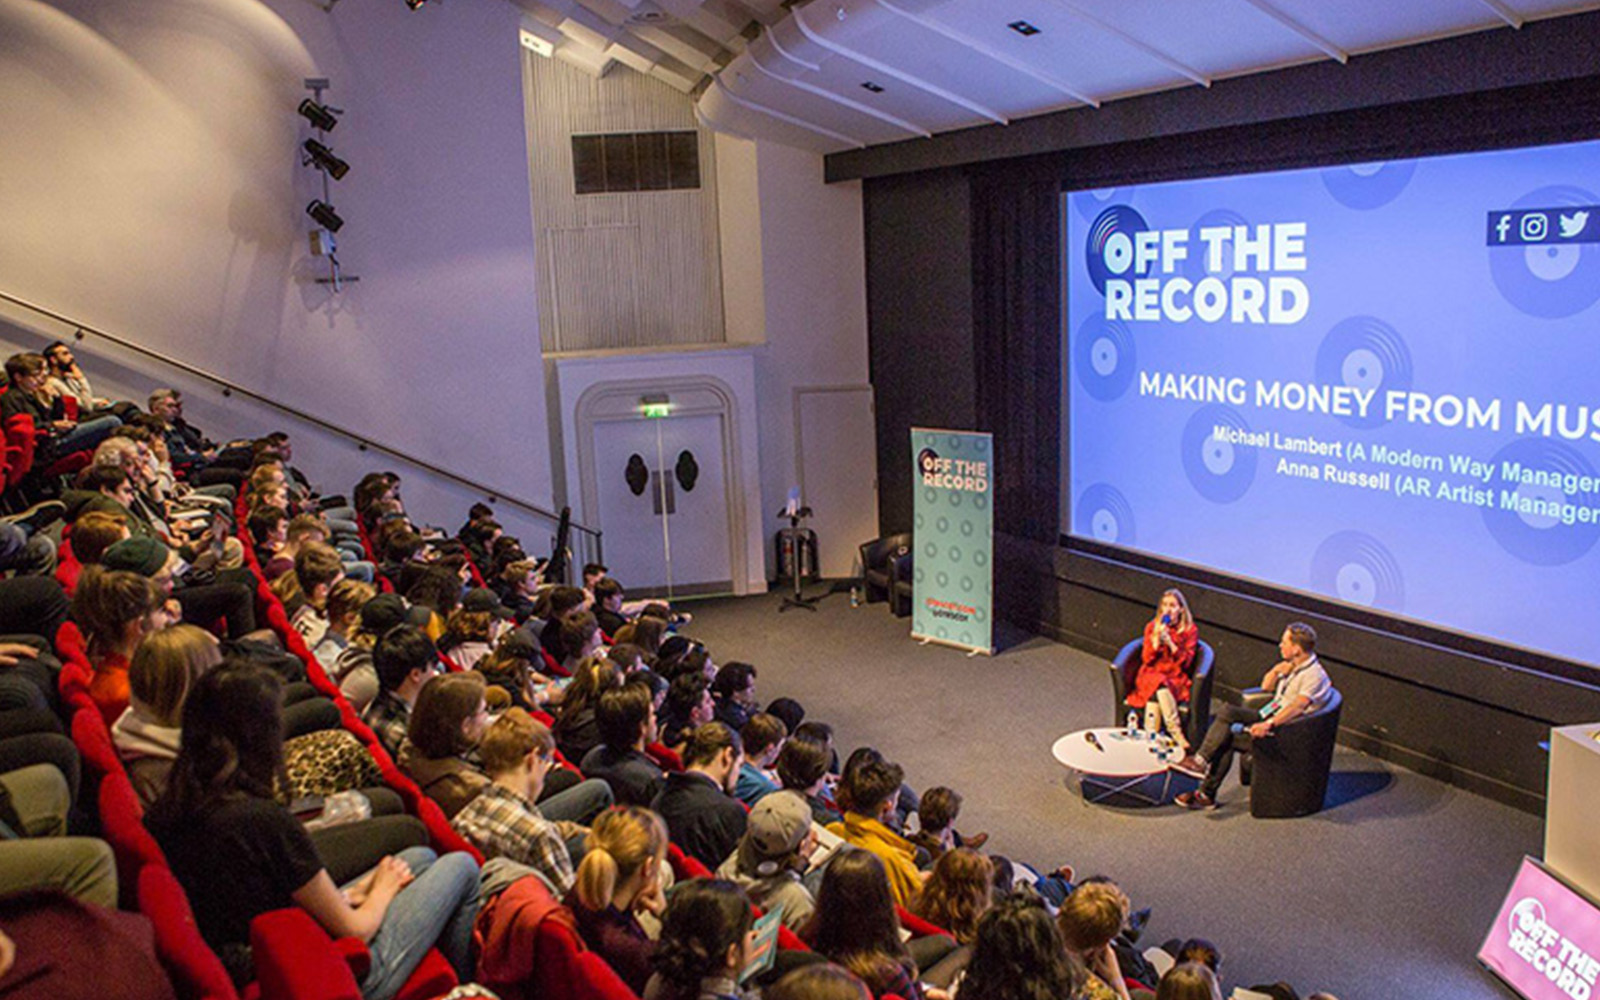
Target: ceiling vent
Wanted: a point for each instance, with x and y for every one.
(1023, 28)
(647, 12)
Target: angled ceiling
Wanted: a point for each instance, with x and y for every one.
(829, 75)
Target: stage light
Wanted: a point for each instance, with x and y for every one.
(415, 4)
(326, 217)
(321, 117)
(323, 157)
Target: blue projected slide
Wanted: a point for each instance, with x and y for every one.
(1379, 383)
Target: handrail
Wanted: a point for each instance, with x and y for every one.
(232, 388)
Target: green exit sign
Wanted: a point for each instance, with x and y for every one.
(655, 411)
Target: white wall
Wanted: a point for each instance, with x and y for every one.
(812, 277)
(150, 185)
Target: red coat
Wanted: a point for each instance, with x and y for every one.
(1161, 666)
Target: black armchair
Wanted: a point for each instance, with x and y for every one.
(900, 584)
(1196, 712)
(1288, 771)
(876, 573)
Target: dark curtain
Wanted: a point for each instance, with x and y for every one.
(1016, 313)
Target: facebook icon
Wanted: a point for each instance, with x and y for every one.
(1502, 227)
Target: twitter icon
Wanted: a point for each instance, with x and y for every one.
(1574, 224)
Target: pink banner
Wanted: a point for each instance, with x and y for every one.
(1546, 940)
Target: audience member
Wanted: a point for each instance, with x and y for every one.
(626, 720)
(856, 925)
(702, 817)
(447, 722)
(404, 659)
(115, 610)
(819, 981)
(577, 728)
(1090, 920)
(239, 853)
(803, 767)
(874, 789)
(94, 532)
(620, 877)
(773, 855)
(763, 737)
(608, 596)
(704, 934)
(503, 821)
(733, 694)
(958, 893)
(1018, 954)
(164, 670)
(343, 611)
(688, 705)
(56, 433)
(1189, 981)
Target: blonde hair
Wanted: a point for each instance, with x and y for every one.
(1185, 619)
(165, 667)
(620, 841)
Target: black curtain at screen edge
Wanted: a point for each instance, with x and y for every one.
(1016, 307)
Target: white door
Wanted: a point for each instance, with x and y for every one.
(838, 458)
(662, 493)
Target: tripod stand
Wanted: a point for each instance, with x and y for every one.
(796, 541)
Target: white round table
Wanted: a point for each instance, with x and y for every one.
(1126, 760)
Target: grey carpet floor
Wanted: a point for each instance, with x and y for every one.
(1386, 894)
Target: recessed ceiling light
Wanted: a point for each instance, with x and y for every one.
(1023, 28)
(875, 88)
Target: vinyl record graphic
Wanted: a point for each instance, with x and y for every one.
(1118, 221)
(1364, 352)
(1104, 358)
(1090, 203)
(1358, 569)
(1218, 470)
(1103, 514)
(1549, 280)
(1367, 186)
(1535, 536)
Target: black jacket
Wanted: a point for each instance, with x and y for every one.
(701, 818)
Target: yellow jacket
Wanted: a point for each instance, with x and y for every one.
(898, 853)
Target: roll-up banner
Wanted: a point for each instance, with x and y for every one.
(953, 539)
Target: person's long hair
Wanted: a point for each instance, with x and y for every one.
(705, 918)
(595, 676)
(1185, 619)
(958, 894)
(1018, 954)
(855, 923)
(232, 743)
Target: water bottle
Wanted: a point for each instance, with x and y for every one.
(1133, 723)
(855, 597)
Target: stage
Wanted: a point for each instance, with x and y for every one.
(1393, 886)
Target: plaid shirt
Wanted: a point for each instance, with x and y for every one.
(501, 823)
(389, 718)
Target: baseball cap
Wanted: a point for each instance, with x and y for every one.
(777, 825)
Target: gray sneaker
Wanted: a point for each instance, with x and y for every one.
(38, 517)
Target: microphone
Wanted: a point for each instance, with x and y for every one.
(1094, 742)
(1166, 619)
